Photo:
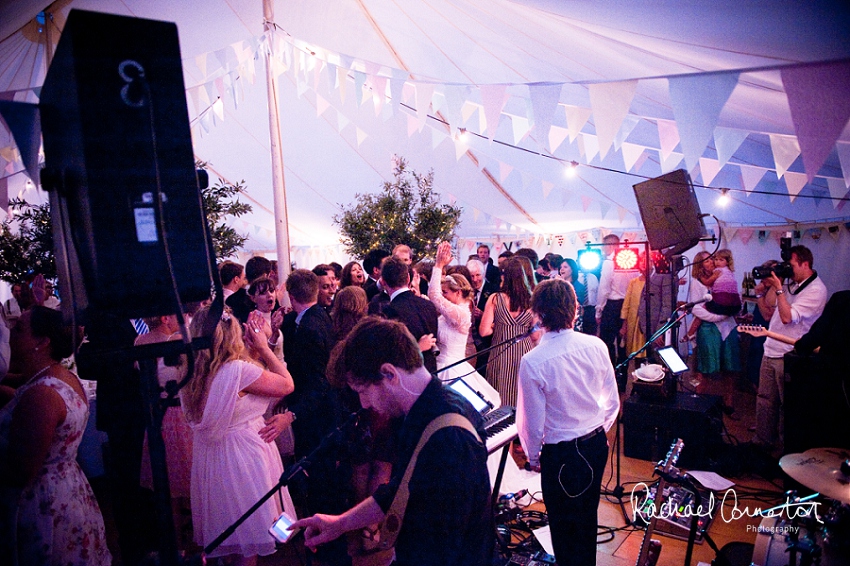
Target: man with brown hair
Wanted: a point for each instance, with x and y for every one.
(567, 401)
(448, 519)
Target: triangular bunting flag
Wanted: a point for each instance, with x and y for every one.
(621, 213)
(709, 169)
(729, 232)
(843, 150)
(835, 232)
(751, 175)
(460, 149)
(629, 123)
(504, 171)
(493, 97)
(24, 121)
(527, 179)
(744, 234)
(544, 101)
(785, 149)
(341, 121)
(437, 137)
(727, 141)
(610, 103)
(218, 108)
(379, 86)
(795, 183)
(671, 162)
(604, 207)
(697, 101)
(412, 125)
(668, 135)
(424, 92)
(475, 214)
(397, 87)
(359, 81)
(585, 202)
(820, 195)
(467, 110)
(361, 136)
(577, 117)
(565, 197)
(521, 127)
(547, 188)
(201, 62)
(631, 153)
(342, 82)
(837, 190)
(591, 146)
(321, 105)
(557, 135)
(819, 98)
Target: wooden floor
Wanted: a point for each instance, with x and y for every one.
(624, 548)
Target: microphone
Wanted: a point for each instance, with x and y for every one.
(688, 306)
(526, 334)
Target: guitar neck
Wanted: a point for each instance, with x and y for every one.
(767, 333)
(648, 555)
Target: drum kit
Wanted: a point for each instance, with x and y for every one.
(807, 535)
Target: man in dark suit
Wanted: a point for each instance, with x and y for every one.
(418, 314)
(372, 267)
(307, 344)
(492, 274)
(313, 409)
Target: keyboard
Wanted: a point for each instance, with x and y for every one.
(499, 427)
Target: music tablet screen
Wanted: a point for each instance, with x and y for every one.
(672, 360)
(470, 395)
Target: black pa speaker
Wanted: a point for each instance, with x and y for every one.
(670, 212)
(116, 131)
(650, 427)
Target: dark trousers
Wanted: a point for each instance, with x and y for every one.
(571, 478)
(609, 329)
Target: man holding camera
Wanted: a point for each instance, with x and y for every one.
(795, 306)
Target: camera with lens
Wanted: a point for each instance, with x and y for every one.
(782, 270)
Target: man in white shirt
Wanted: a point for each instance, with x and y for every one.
(567, 401)
(609, 301)
(797, 306)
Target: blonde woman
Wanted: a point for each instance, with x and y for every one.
(232, 465)
(452, 295)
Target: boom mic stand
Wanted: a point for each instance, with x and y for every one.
(301, 466)
(619, 491)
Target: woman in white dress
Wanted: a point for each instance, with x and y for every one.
(452, 295)
(232, 465)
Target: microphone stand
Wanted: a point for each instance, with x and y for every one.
(508, 342)
(301, 466)
(619, 491)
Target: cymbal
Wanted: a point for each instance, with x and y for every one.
(820, 469)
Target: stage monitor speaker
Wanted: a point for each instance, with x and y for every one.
(670, 212)
(650, 427)
(115, 127)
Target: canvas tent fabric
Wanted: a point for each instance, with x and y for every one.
(751, 97)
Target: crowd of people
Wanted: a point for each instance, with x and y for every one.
(291, 360)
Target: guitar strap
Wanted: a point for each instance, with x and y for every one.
(395, 515)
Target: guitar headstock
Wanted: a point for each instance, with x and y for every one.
(753, 330)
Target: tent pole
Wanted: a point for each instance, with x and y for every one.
(281, 218)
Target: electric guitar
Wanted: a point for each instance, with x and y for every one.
(650, 549)
(759, 331)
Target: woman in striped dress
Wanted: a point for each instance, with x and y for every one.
(506, 315)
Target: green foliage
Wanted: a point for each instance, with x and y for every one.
(220, 201)
(26, 242)
(26, 238)
(406, 211)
